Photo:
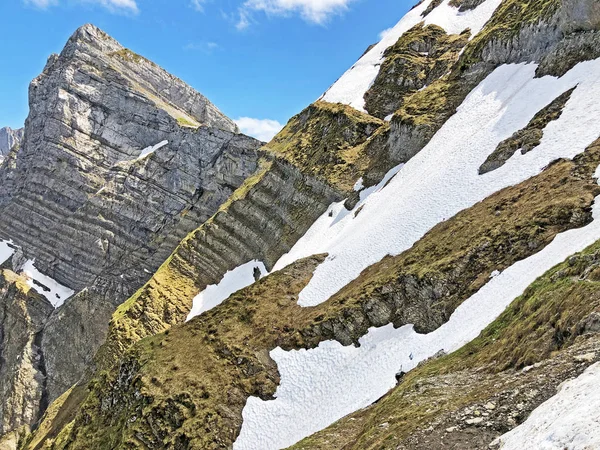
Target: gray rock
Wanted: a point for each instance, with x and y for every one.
(475, 421)
(8, 139)
(22, 373)
(77, 196)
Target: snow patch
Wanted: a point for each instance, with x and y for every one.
(233, 281)
(320, 386)
(6, 251)
(570, 419)
(352, 86)
(149, 150)
(323, 231)
(55, 292)
(359, 185)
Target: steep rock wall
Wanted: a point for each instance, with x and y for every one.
(23, 314)
(119, 161)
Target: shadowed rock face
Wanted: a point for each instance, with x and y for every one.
(8, 139)
(98, 211)
(22, 376)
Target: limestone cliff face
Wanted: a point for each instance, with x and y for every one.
(119, 161)
(8, 139)
(86, 205)
(23, 313)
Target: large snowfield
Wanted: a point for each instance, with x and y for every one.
(323, 385)
(570, 420)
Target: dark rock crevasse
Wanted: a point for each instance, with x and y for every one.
(23, 314)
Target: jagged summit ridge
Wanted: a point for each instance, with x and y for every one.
(190, 108)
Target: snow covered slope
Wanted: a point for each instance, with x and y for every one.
(233, 281)
(323, 385)
(443, 178)
(352, 86)
(570, 420)
(320, 386)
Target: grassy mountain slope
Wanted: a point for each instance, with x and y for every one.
(470, 397)
(186, 388)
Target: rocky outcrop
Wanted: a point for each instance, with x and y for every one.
(8, 139)
(422, 55)
(262, 221)
(119, 162)
(529, 137)
(331, 142)
(23, 314)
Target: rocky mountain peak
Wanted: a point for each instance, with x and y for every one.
(98, 113)
(93, 53)
(90, 34)
(120, 161)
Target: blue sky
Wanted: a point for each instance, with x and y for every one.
(259, 59)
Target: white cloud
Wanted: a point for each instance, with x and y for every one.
(198, 5)
(117, 5)
(129, 6)
(244, 20)
(314, 11)
(261, 129)
(43, 4)
(204, 47)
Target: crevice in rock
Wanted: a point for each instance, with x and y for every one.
(40, 366)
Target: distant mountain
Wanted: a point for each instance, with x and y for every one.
(9, 138)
